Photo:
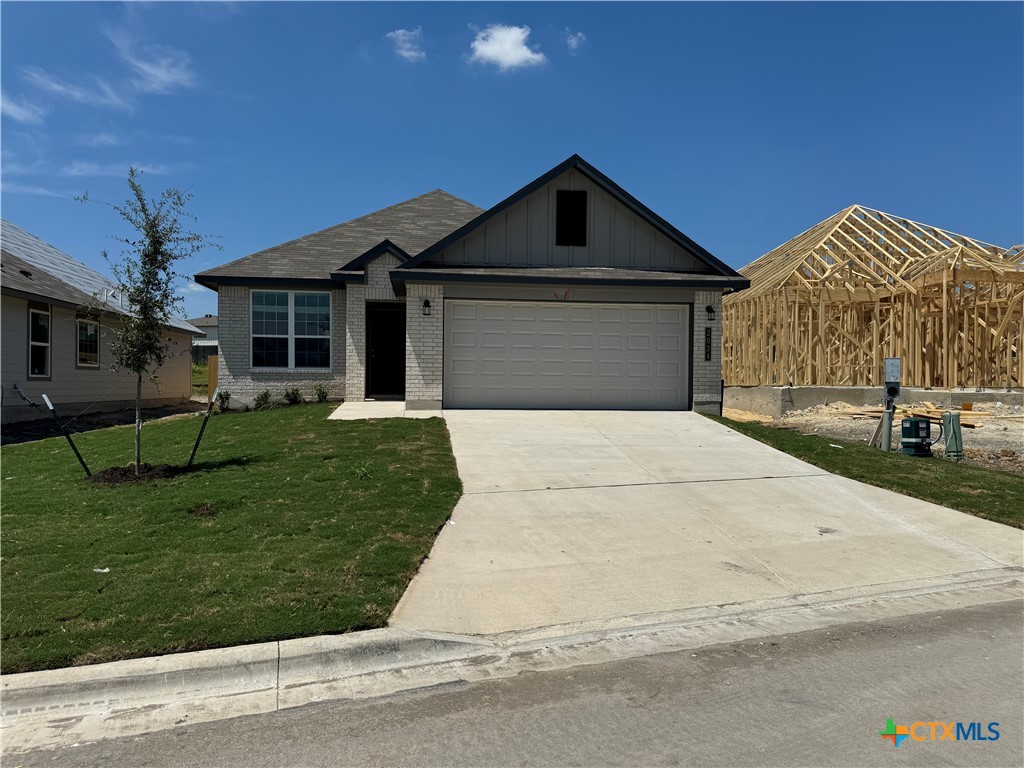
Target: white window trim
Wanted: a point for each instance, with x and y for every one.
(78, 340)
(291, 333)
(49, 341)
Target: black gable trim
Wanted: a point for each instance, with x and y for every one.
(608, 186)
(214, 281)
(384, 246)
(399, 277)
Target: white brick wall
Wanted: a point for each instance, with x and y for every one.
(355, 342)
(235, 373)
(424, 343)
(707, 375)
(378, 282)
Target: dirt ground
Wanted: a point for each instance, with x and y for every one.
(997, 442)
(37, 429)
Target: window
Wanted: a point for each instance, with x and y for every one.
(291, 329)
(39, 342)
(570, 217)
(88, 344)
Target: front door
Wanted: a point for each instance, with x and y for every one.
(385, 350)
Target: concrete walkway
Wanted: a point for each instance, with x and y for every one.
(380, 409)
(595, 516)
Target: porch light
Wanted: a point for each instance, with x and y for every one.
(711, 312)
(426, 307)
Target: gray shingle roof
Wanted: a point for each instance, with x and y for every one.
(412, 225)
(60, 276)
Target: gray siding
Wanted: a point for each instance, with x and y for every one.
(72, 389)
(524, 236)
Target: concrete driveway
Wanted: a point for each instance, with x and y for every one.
(572, 517)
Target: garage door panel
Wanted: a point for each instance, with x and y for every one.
(501, 354)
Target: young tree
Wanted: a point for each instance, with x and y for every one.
(146, 280)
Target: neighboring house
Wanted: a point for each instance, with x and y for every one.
(568, 294)
(206, 346)
(57, 318)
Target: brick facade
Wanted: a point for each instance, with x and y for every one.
(235, 372)
(424, 343)
(707, 374)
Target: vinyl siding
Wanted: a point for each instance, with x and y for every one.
(97, 388)
(524, 236)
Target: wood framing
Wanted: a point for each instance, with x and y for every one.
(826, 307)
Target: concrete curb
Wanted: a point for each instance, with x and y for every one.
(56, 708)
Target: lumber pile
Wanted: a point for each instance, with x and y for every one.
(968, 417)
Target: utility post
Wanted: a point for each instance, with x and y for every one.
(892, 393)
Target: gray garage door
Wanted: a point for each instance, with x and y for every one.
(516, 354)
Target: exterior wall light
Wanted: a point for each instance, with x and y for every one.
(426, 307)
(711, 313)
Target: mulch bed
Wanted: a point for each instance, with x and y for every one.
(147, 473)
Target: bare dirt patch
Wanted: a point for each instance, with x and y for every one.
(997, 442)
(147, 473)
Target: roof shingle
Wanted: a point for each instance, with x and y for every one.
(412, 225)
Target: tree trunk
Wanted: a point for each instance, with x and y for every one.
(138, 422)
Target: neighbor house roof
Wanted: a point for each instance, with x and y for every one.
(206, 321)
(410, 226)
(53, 275)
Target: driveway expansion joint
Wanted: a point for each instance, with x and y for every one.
(706, 481)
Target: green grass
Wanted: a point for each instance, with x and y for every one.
(316, 528)
(986, 493)
(200, 379)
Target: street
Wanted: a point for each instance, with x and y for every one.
(815, 698)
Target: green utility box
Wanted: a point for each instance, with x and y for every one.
(916, 437)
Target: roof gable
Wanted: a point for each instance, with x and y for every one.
(860, 247)
(408, 227)
(518, 231)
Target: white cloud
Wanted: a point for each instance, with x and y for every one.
(99, 93)
(25, 189)
(408, 43)
(21, 111)
(102, 139)
(574, 40)
(505, 47)
(192, 287)
(157, 68)
(89, 168)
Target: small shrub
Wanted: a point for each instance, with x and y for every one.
(293, 396)
(322, 393)
(223, 399)
(262, 401)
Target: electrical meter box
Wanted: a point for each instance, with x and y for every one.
(892, 378)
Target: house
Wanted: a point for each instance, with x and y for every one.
(570, 293)
(57, 321)
(203, 347)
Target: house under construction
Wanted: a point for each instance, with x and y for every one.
(828, 306)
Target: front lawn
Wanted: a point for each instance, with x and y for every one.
(986, 493)
(292, 526)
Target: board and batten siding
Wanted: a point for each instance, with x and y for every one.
(70, 388)
(524, 236)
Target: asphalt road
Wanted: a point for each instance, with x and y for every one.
(816, 698)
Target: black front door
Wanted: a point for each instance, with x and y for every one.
(385, 350)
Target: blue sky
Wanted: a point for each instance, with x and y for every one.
(742, 124)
